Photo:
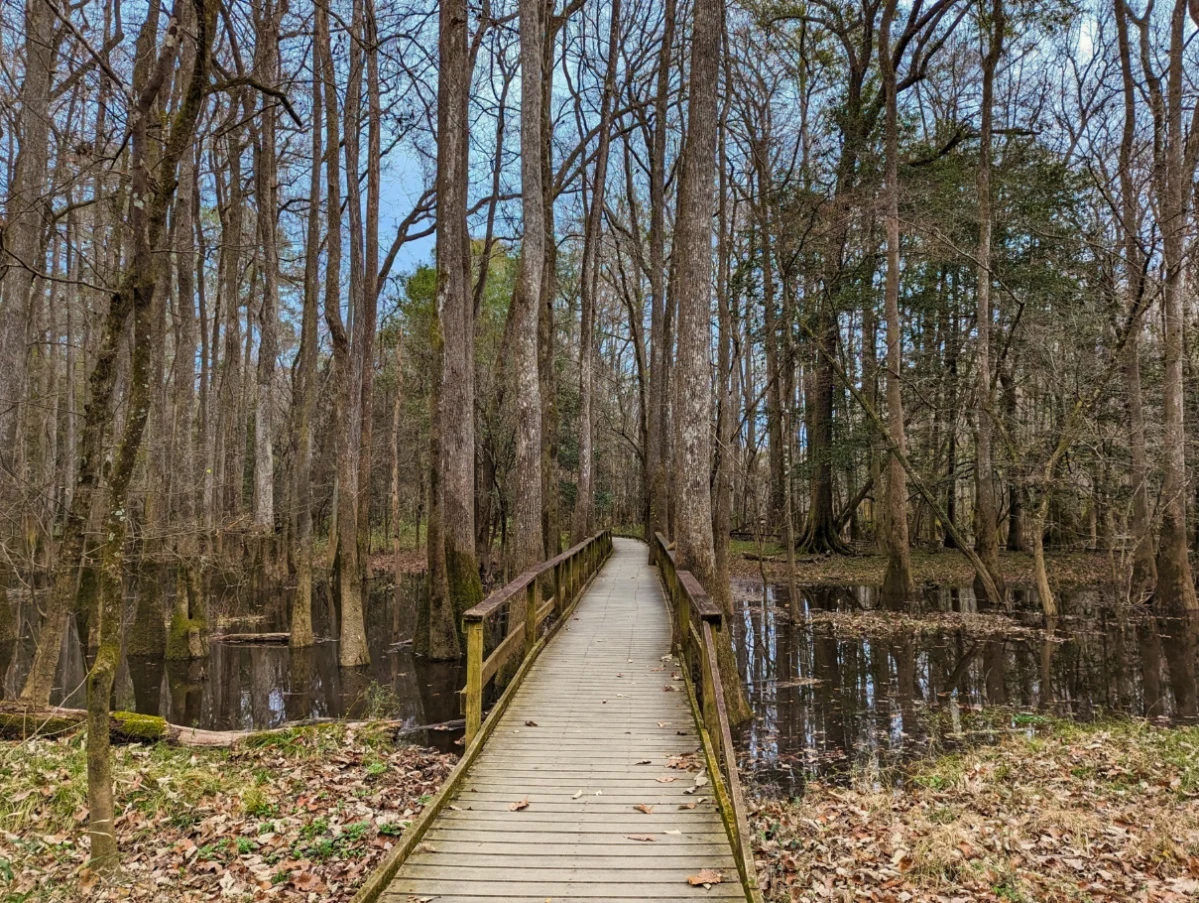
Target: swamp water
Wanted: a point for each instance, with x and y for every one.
(837, 683)
(257, 686)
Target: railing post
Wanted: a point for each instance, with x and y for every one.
(710, 718)
(532, 603)
(474, 679)
(559, 598)
(682, 604)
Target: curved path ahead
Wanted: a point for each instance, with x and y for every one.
(591, 734)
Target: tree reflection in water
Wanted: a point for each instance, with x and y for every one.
(828, 696)
(249, 687)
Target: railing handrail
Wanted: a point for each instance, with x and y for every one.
(688, 600)
(571, 571)
(505, 593)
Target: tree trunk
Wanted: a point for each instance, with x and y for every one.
(457, 321)
(692, 378)
(22, 227)
(1175, 585)
(986, 510)
(585, 505)
(135, 297)
(657, 486)
(527, 543)
(266, 65)
(898, 585)
(301, 608)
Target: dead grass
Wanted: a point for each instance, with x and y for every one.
(1070, 813)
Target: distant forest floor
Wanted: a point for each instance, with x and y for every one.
(945, 567)
(1057, 811)
(306, 815)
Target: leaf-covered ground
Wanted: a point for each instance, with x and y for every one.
(304, 817)
(941, 568)
(1069, 813)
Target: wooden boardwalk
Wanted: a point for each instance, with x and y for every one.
(591, 734)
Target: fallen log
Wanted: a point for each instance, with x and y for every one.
(21, 722)
(253, 639)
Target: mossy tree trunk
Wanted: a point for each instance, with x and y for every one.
(150, 199)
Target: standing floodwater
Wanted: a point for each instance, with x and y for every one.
(253, 685)
(834, 681)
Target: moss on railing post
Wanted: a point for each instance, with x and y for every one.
(474, 678)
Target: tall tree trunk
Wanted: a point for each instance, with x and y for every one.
(693, 378)
(898, 584)
(301, 608)
(266, 65)
(986, 510)
(1144, 567)
(366, 320)
(658, 487)
(455, 306)
(1175, 585)
(22, 228)
(345, 423)
(722, 485)
(527, 541)
(135, 298)
(584, 504)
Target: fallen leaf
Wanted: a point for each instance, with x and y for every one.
(520, 804)
(668, 779)
(687, 806)
(308, 882)
(577, 795)
(643, 838)
(642, 807)
(530, 724)
(88, 880)
(643, 762)
(706, 877)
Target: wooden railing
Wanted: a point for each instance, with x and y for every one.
(571, 572)
(698, 626)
